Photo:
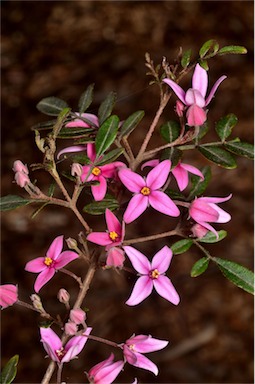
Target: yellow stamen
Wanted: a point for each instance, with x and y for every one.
(154, 274)
(48, 261)
(60, 352)
(96, 171)
(132, 347)
(145, 191)
(113, 235)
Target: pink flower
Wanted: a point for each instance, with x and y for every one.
(115, 257)
(194, 98)
(48, 265)
(77, 315)
(18, 166)
(8, 295)
(134, 348)
(71, 328)
(106, 371)
(59, 352)
(151, 275)
(21, 173)
(100, 173)
(89, 117)
(180, 173)
(204, 210)
(147, 192)
(113, 236)
(199, 231)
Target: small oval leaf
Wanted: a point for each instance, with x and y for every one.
(131, 123)
(240, 148)
(86, 99)
(210, 237)
(186, 58)
(170, 131)
(106, 107)
(199, 267)
(111, 156)
(218, 156)
(12, 202)
(210, 45)
(234, 49)
(225, 125)
(99, 207)
(199, 185)
(51, 106)
(106, 134)
(181, 246)
(9, 371)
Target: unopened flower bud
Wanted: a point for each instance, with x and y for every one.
(70, 328)
(71, 243)
(37, 304)
(78, 316)
(76, 169)
(18, 166)
(21, 179)
(63, 296)
(199, 231)
(179, 108)
(115, 257)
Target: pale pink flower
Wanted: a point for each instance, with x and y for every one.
(106, 371)
(8, 295)
(18, 166)
(151, 275)
(59, 352)
(115, 257)
(194, 98)
(21, 173)
(63, 296)
(147, 192)
(89, 117)
(100, 173)
(198, 231)
(76, 169)
(54, 260)
(113, 236)
(71, 328)
(77, 315)
(134, 348)
(204, 210)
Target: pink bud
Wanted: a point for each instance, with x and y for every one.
(63, 296)
(199, 231)
(8, 295)
(21, 179)
(78, 316)
(115, 257)
(18, 166)
(70, 328)
(179, 108)
(76, 169)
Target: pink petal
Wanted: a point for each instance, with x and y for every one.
(86, 173)
(162, 259)
(138, 260)
(51, 342)
(91, 151)
(36, 265)
(75, 148)
(194, 97)
(193, 170)
(112, 222)
(65, 258)
(202, 211)
(214, 89)
(200, 80)
(177, 89)
(99, 191)
(131, 180)
(8, 295)
(100, 238)
(55, 248)
(181, 176)
(145, 344)
(165, 288)
(150, 163)
(196, 116)
(215, 199)
(142, 289)
(115, 257)
(75, 345)
(162, 203)
(110, 170)
(209, 227)
(144, 363)
(106, 371)
(43, 278)
(157, 176)
(223, 217)
(105, 363)
(136, 207)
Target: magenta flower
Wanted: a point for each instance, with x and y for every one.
(59, 352)
(89, 117)
(134, 348)
(151, 275)
(194, 98)
(115, 257)
(54, 260)
(204, 210)
(94, 172)
(147, 192)
(113, 236)
(106, 371)
(8, 295)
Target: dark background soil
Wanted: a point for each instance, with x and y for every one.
(59, 48)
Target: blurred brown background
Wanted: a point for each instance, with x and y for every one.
(59, 48)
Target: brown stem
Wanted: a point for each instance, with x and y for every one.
(75, 277)
(86, 283)
(152, 237)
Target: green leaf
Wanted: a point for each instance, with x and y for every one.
(240, 148)
(225, 125)
(218, 156)
(210, 45)
(186, 58)
(75, 133)
(106, 107)
(12, 202)
(170, 131)
(210, 237)
(45, 125)
(111, 156)
(203, 129)
(60, 121)
(237, 274)
(199, 267)
(234, 49)
(86, 99)
(173, 154)
(181, 246)
(204, 64)
(51, 105)
(131, 122)
(9, 371)
(106, 134)
(199, 185)
(175, 195)
(99, 207)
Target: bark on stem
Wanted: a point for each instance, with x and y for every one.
(152, 237)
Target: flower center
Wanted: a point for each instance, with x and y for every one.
(154, 274)
(60, 353)
(131, 347)
(96, 171)
(113, 235)
(145, 191)
(48, 261)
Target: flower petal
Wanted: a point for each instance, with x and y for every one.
(176, 88)
(200, 80)
(8, 295)
(165, 288)
(142, 289)
(201, 211)
(181, 176)
(215, 199)
(99, 191)
(162, 203)
(145, 363)
(75, 345)
(162, 259)
(138, 260)
(75, 148)
(115, 257)
(65, 258)
(108, 373)
(51, 342)
(223, 217)
(196, 116)
(36, 265)
(132, 181)
(100, 238)
(145, 344)
(91, 151)
(194, 97)
(214, 89)
(192, 169)
(43, 278)
(55, 248)
(136, 207)
(150, 163)
(158, 175)
(112, 222)
(110, 170)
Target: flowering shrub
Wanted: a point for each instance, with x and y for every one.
(108, 176)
